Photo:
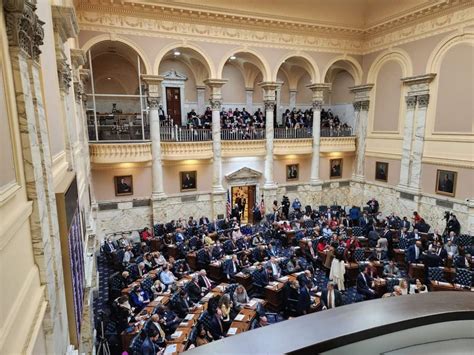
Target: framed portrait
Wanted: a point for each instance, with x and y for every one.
(381, 171)
(188, 180)
(335, 168)
(446, 182)
(292, 172)
(123, 185)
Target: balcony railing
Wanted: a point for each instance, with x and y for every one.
(292, 133)
(242, 134)
(118, 127)
(180, 134)
(340, 132)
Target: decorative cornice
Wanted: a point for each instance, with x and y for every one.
(152, 20)
(24, 28)
(111, 153)
(78, 58)
(186, 150)
(337, 144)
(293, 146)
(64, 74)
(65, 22)
(247, 148)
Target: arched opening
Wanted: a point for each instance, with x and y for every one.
(338, 109)
(184, 94)
(116, 102)
(242, 111)
(294, 99)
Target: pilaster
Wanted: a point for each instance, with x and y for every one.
(361, 107)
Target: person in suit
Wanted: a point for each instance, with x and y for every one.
(373, 237)
(183, 304)
(414, 252)
(217, 251)
(110, 246)
(373, 205)
(125, 280)
(231, 267)
(275, 268)
(149, 346)
(194, 290)
(272, 250)
(155, 325)
(203, 221)
(310, 254)
(216, 326)
(382, 246)
(364, 284)
(391, 270)
(139, 298)
(123, 187)
(330, 297)
(204, 281)
(304, 299)
(405, 223)
(451, 249)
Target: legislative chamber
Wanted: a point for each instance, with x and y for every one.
(237, 177)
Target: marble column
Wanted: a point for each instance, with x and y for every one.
(293, 93)
(414, 132)
(158, 195)
(249, 100)
(361, 108)
(218, 192)
(201, 98)
(318, 98)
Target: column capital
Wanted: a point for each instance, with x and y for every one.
(249, 89)
(322, 87)
(24, 28)
(154, 87)
(65, 22)
(78, 58)
(64, 74)
(215, 83)
(361, 105)
(269, 105)
(410, 101)
(423, 100)
(200, 87)
(269, 85)
(418, 82)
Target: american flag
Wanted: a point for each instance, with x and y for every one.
(262, 207)
(228, 206)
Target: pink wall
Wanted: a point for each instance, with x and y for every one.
(171, 176)
(104, 188)
(280, 164)
(387, 97)
(455, 106)
(464, 185)
(347, 163)
(393, 170)
(340, 93)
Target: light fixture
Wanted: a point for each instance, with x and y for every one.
(176, 52)
(109, 78)
(232, 57)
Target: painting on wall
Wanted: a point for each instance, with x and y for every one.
(335, 168)
(446, 182)
(381, 171)
(123, 185)
(292, 172)
(188, 180)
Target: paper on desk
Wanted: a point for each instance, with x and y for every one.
(176, 334)
(283, 279)
(183, 324)
(170, 349)
(239, 317)
(252, 303)
(189, 317)
(232, 331)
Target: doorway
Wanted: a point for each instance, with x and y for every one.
(173, 104)
(244, 197)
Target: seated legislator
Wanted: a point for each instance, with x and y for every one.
(149, 346)
(391, 270)
(139, 298)
(240, 297)
(364, 284)
(330, 297)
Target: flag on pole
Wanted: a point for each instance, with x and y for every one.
(228, 206)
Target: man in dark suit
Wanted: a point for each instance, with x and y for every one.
(304, 299)
(364, 284)
(414, 252)
(203, 221)
(330, 297)
(194, 290)
(231, 267)
(149, 347)
(183, 304)
(373, 205)
(204, 281)
(156, 325)
(110, 246)
(405, 223)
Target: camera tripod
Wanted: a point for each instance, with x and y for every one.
(103, 348)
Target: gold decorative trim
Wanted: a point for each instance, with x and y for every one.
(292, 146)
(337, 144)
(382, 155)
(454, 163)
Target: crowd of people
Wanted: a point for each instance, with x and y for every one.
(241, 119)
(324, 241)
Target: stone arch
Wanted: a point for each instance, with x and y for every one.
(307, 62)
(353, 63)
(260, 62)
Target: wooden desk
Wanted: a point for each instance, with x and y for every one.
(215, 271)
(449, 274)
(352, 270)
(244, 279)
(173, 251)
(248, 315)
(191, 258)
(239, 327)
(180, 335)
(220, 289)
(416, 271)
(254, 302)
(156, 244)
(400, 256)
(274, 295)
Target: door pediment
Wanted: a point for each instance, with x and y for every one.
(244, 173)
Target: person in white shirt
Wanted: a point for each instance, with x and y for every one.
(276, 271)
(128, 255)
(404, 287)
(418, 287)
